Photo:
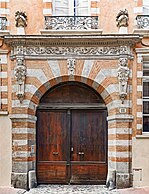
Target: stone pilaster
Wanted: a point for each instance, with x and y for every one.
(119, 148)
(23, 149)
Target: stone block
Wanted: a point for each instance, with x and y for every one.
(122, 180)
(21, 167)
(110, 183)
(32, 182)
(19, 180)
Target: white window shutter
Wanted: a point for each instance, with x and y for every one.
(60, 7)
(146, 10)
(146, 2)
(146, 7)
(82, 8)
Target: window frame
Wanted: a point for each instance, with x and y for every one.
(71, 9)
(144, 98)
(145, 7)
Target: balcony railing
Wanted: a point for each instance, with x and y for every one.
(143, 21)
(71, 22)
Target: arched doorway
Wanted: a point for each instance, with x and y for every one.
(71, 136)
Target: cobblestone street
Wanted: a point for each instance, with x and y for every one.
(71, 189)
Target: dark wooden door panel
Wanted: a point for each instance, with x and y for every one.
(71, 143)
(52, 172)
(51, 146)
(89, 173)
(72, 146)
(89, 143)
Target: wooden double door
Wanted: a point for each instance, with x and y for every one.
(71, 146)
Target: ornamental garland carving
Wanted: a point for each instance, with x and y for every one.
(42, 51)
(75, 50)
(71, 66)
(123, 75)
(20, 75)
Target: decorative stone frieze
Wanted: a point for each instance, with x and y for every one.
(67, 52)
(123, 74)
(71, 66)
(20, 75)
(72, 45)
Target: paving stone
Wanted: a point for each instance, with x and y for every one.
(71, 189)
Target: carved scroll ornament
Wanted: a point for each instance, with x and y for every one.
(20, 75)
(123, 74)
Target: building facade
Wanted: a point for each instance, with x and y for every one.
(74, 92)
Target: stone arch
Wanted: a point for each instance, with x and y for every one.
(109, 94)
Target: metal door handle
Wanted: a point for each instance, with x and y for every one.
(55, 153)
(81, 153)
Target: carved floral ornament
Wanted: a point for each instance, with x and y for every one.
(97, 51)
(123, 75)
(20, 75)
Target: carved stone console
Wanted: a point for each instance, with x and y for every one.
(20, 75)
(71, 66)
(123, 74)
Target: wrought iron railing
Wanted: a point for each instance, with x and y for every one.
(3, 21)
(71, 22)
(143, 21)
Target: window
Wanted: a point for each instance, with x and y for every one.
(71, 7)
(146, 98)
(146, 7)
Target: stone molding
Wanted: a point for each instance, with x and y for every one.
(74, 39)
(23, 117)
(57, 46)
(121, 117)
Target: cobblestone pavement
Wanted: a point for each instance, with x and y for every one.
(71, 189)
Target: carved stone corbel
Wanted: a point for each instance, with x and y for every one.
(20, 75)
(123, 75)
(71, 64)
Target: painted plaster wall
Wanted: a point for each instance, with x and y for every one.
(140, 161)
(5, 151)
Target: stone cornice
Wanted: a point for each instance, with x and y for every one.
(72, 40)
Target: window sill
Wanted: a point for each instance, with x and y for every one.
(71, 32)
(4, 32)
(143, 136)
(3, 112)
(144, 32)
